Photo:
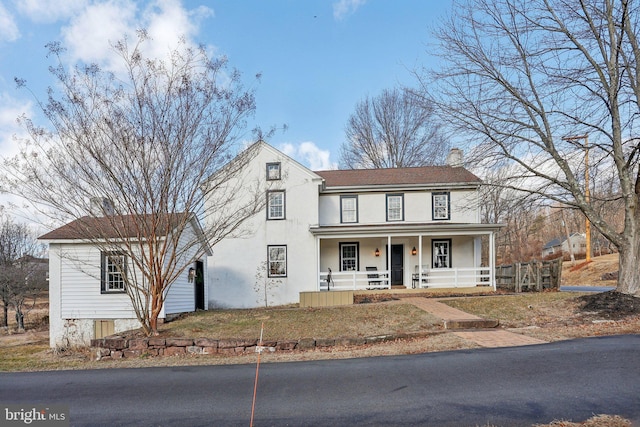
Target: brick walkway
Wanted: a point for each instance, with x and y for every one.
(482, 337)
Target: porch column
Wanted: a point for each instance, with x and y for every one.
(318, 264)
(492, 260)
(389, 260)
(420, 258)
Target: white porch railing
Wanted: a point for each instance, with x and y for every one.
(354, 280)
(456, 277)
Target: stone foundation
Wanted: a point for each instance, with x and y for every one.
(117, 347)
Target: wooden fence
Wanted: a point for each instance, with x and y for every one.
(529, 276)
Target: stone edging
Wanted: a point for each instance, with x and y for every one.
(117, 347)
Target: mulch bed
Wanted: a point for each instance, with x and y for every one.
(610, 305)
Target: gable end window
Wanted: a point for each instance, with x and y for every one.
(113, 272)
(395, 207)
(441, 203)
(348, 209)
(275, 205)
(277, 260)
(273, 171)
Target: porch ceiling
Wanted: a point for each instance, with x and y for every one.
(404, 229)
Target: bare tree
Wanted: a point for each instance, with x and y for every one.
(392, 130)
(147, 139)
(531, 81)
(22, 275)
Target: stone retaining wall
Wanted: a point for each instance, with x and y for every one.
(117, 347)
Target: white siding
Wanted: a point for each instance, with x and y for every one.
(80, 287)
(236, 260)
(417, 207)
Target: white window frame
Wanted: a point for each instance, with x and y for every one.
(354, 259)
(114, 272)
(277, 260)
(348, 214)
(441, 202)
(441, 251)
(395, 207)
(276, 208)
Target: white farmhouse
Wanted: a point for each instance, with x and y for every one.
(352, 229)
(87, 295)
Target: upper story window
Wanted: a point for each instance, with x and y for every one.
(348, 209)
(114, 272)
(395, 207)
(273, 171)
(441, 206)
(275, 204)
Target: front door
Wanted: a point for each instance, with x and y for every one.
(199, 285)
(397, 264)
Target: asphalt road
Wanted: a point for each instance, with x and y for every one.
(515, 386)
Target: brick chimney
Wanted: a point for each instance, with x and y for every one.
(454, 159)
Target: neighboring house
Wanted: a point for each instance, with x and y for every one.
(87, 296)
(577, 242)
(353, 229)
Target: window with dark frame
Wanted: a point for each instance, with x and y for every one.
(348, 209)
(114, 272)
(273, 171)
(395, 207)
(441, 205)
(277, 260)
(275, 204)
(441, 250)
(349, 256)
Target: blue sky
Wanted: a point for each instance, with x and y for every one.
(317, 58)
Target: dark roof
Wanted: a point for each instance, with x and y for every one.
(552, 243)
(428, 175)
(115, 227)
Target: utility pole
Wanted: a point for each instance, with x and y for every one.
(587, 194)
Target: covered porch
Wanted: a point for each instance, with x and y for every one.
(403, 256)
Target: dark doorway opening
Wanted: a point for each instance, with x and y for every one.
(397, 264)
(199, 284)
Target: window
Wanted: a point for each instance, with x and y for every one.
(441, 250)
(114, 272)
(348, 209)
(275, 205)
(395, 207)
(348, 256)
(273, 171)
(440, 206)
(277, 260)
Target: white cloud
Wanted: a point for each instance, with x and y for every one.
(50, 10)
(91, 32)
(10, 110)
(344, 8)
(309, 155)
(8, 27)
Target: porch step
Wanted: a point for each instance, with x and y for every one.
(398, 287)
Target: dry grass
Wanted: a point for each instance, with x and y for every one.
(595, 421)
(295, 323)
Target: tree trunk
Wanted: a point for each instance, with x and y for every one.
(5, 316)
(628, 271)
(20, 319)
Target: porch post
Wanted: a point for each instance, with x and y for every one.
(419, 261)
(492, 260)
(389, 260)
(318, 265)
